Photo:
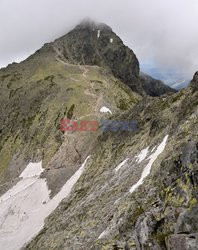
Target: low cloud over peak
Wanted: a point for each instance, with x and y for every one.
(164, 32)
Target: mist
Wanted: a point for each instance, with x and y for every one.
(163, 33)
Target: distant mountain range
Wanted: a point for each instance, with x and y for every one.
(170, 78)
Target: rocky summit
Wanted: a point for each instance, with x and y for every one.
(129, 183)
(96, 44)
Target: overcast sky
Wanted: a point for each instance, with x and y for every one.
(161, 32)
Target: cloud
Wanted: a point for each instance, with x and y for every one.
(164, 32)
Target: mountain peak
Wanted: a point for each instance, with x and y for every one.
(88, 23)
(93, 43)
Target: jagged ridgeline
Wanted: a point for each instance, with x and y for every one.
(119, 190)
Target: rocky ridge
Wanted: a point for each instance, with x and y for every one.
(138, 189)
(102, 213)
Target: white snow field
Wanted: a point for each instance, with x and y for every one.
(24, 207)
(142, 155)
(152, 159)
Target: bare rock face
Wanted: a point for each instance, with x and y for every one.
(182, 241)
(187, 222)
(194, 82)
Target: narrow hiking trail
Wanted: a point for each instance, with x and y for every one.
(89, 91)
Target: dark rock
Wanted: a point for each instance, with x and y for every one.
(194, 82)
(187, 222)
(182, 242)
(154, 87)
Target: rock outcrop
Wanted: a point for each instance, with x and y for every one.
(154, 87)
(194, 82)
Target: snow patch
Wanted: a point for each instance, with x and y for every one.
(147, 169)
(32, 169)
(117, 201)
(121, 165)
(142, 155)
(111, 40)
(153, 149)
(69, 184)
(103, 234)
(98, 35)
(105, 110)
(24, 207)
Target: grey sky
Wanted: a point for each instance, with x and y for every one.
(162, 31)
